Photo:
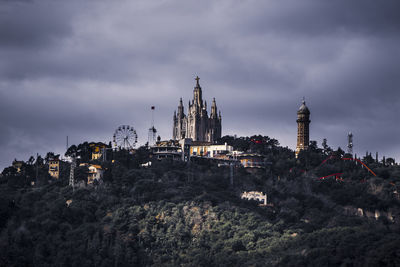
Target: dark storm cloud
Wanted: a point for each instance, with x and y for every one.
(29, 24)
(312, 18)
(83, 68)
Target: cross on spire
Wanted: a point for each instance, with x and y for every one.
(197, 79)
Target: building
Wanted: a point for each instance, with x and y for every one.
(95, 173)
(17, 164)
(185, 148)
(303, 128)
(98, 149)
(255, 195)
(209, 150)
(185, 144)
(54, 167)
(167, 150)
(197, 125)
(251, 160)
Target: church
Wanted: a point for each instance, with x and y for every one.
(197, 125)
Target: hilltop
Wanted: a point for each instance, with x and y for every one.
(190, 213)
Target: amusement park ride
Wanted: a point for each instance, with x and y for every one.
(124, 137)
(152, 130)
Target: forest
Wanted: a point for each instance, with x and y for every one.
(176, 213)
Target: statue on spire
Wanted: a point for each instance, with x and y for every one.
(197, 81)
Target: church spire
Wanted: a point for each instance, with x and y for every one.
(197, 94)
(181, 111)
(197, 125)
(214, 113)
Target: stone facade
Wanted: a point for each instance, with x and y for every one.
(197, 125)
(255, 195)
(303, 128)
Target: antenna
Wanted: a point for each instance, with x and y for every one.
(67, 143)
(37, 166)
(350, 143)
(152, 115)
(152, 130)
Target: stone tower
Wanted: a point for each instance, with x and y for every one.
(303, 128)
(197, 124)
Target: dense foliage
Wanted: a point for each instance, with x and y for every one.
(176, 213)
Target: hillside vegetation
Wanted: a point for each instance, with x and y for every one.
(176, 213)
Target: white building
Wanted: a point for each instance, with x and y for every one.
(255, 195)
(95, 173)
(208, 150)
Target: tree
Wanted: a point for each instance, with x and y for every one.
(313, 145)
(142, 155)
(85, 152)
(390, 161)
(39, 161)
(71, 151)
(368, 159)
(31, 160)
(9, 171)
(50, 156)
(339, 152)
(81, 173)
(325, 147)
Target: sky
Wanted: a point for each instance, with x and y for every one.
(82, 68)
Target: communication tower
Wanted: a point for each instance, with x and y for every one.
(72, 172)
(350, 143)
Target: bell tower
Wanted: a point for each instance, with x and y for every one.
(303, 128)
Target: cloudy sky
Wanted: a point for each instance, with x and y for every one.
(82, 68)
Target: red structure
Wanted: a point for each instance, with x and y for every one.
(337, 175)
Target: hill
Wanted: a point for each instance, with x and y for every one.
(175, 213)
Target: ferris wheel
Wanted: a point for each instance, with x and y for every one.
(125, 137)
